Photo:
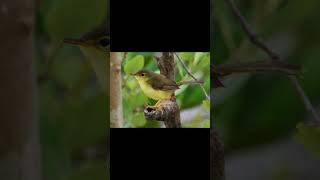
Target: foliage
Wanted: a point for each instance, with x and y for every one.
(259, 108)
(187, 96)
(309, 136)
(72, 106)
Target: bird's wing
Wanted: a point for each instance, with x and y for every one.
(159, 83)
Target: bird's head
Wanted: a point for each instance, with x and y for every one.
(143, 75)
(95, 45)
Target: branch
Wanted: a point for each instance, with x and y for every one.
(189, 82)
(189, 73)
(274, 57)
(165, 110)
(116, 116)
(216, 156)
(256, 67)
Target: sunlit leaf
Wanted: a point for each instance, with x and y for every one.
(186, 56)
(206, 123)
(134, 65)
(198, 57)
(206, 105)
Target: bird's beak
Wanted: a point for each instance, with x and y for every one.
(74, 41)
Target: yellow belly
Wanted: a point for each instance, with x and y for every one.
(155, 94)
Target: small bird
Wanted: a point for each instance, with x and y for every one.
(95, 45)
(156, 86)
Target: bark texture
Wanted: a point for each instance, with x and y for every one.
(116, 116)
(19, 134)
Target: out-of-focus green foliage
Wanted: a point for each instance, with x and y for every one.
(259, 108)
(188, 96)
(73, 17)
(309, 136)
(73, 108)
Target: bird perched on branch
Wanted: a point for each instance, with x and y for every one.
(156, 86)
(95, 45)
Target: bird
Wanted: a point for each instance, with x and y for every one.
(95, 45)
(156, 86)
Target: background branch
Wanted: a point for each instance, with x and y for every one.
(274, 57)
(116, 116)
(19, 128)
(256, 67)
(216, 156)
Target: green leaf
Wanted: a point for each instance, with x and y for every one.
(137, 99)
(206, 123)
(71, 72)
(132, 83)
(138, 120)
(186, 56)
(204, 63)
(206, 105)
(309, 136)
(198, 57)
(69, 17)
(134, 65)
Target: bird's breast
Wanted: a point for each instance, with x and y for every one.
(155, 94)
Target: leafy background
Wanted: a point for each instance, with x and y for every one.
(72, 106)
(263, 109)
(188, 96)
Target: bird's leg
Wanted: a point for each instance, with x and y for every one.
(157, 104)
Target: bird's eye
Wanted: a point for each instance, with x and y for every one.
(142, 74)
(104, 42)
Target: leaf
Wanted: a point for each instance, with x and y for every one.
(206, 105)
(71, 73)
(206, 123)
(134, 65)
(69, 17)
(132, 83)
(309, 136)
(186, 56)
(83, 121)
(138, 120)
(137, 99)
(198, 57)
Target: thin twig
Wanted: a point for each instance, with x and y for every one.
(252, 34)
(275, 57)
(256, 67)
(189, 82)
(189, 73)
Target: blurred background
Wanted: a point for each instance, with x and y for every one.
(73, 108)
(194, 108)
(259, 116)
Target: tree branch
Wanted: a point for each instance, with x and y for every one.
(274, 57)
(165, 110)
(116, 116)
(216, 156)
(256, 67)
